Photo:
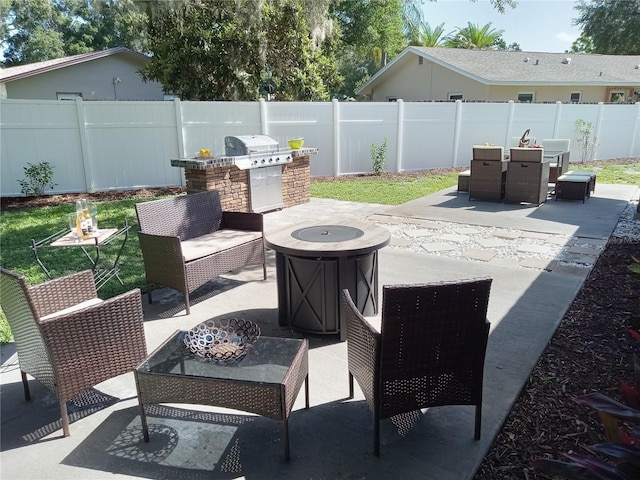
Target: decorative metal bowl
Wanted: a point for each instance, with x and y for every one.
(296, 143)
(224, 341)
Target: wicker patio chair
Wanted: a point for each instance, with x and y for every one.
(67, 338)
(488, 173)
(527, 176)
(557, 148)
(429, 352)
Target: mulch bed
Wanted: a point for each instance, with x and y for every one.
(591, 351)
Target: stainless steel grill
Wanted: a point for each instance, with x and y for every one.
(263, 157)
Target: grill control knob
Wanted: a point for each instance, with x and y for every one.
(270, 160)
(277, 159)
(255, 162)
(263, 161)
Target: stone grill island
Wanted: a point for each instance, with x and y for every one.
(233, 183)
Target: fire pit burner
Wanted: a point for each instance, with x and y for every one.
(327, 233)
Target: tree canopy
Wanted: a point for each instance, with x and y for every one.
(609, 27)
(474, 36)
(236, 50)
(212, 50)
(38, 30)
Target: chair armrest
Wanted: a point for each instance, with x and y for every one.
(162, 256)
(64, 292)
(96, 343)
(243, 221)
(363, 348)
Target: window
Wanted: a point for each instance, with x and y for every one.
(525, 97)
(575, 97)
(67, 95)
(454, 96)
(616, 96)
(392, 99)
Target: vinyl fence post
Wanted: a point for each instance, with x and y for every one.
(264, 126)
(177, 106)
(456, 133)
(84, 147)
(336, 137)
(556, 124)
(399, 134)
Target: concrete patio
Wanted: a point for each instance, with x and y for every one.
(333, 439)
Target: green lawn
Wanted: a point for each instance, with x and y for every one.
(19, 227)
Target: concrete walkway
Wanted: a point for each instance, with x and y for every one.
(332, 440)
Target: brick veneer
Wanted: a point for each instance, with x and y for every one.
(233, 183)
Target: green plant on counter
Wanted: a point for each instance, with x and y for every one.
(379, 157)
(38, 178)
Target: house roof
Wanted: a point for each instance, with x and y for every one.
(22, 71)
(499, 67)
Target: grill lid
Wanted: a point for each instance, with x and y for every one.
(248, 144)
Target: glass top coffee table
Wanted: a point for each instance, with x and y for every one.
(266, 381)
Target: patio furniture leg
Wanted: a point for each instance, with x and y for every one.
(145, 425)
(350, 385)
(306, 392)
(376, 435)
(65, 419)
(478, 421)
(25, 386)
(287, 452)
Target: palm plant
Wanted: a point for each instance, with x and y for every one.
(473, 36)
(432, 37)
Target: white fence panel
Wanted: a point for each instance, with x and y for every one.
(130, 144)
(428, 135)
(614, 125)
(120, 145)
(312, 121)
(362, 125)
(34, 131)
(482, 123)
(205, 124)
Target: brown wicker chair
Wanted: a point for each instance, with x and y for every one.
(527, 176)
(430, 350)
(67, 338)
(488, 173)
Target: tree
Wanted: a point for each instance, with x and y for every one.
(38, 30)
(432, 37)
(611, 26)
(213, 50)
(474, 36)
(583, 44)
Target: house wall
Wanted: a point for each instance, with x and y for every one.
(94, 80)
(429, 81)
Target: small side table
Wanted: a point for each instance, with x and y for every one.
(265, 382)
(103, 270)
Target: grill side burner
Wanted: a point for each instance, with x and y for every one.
(262, 156)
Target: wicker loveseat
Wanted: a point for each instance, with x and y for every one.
(188, 240)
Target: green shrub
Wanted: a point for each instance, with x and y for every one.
(379, 157)
(38, 178)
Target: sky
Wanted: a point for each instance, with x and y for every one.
(536, 25)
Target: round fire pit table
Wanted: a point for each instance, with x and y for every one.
(315, 262)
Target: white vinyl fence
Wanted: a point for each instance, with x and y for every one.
(97, 146)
